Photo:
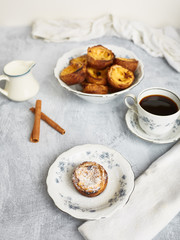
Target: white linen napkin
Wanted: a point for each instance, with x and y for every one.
(162, 42)
(153, 203)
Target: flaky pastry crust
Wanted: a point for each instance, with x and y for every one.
(120, 77)
(90, 179)
(81, 59)
(129, 63)
(99, 57)
(94, 88)
(73, 74)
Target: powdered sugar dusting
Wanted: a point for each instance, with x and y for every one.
(88, 176)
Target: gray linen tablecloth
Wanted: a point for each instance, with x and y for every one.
(26, 210)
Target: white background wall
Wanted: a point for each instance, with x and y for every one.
(153, 12)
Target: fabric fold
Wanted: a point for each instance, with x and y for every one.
(153, 204)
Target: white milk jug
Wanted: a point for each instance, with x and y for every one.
(20, 83)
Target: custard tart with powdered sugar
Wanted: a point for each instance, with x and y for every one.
(90, 179)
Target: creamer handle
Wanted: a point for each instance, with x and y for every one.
(4, 77)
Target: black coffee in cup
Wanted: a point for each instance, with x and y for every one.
(159, 105)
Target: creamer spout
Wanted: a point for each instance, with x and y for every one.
(29, 64)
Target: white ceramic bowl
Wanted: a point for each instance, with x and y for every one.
(63, 62)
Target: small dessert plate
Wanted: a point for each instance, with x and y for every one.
(68, 199)
(133, 125)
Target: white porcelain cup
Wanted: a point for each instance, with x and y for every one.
(152, 124)
(20, 83)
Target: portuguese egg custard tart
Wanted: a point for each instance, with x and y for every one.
(100, 57)
(99, 71)
(81, 59)
(95, 88)
(112, 89)
(90, 179)
(129, 63)
(96, 76)
(120, 77)
(73, 74)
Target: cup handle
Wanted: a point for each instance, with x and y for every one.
(133, 107)
(4, 77)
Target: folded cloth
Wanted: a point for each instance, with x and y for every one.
(162, 42)
(153, 203)
(71, 30)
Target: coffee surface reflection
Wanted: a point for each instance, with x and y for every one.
(159, 105)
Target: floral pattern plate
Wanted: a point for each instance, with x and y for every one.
(133, 125)
(68, 199)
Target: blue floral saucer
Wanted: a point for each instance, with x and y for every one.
(133, 125)
(68, 199)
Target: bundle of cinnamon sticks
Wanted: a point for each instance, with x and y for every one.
(38, 116)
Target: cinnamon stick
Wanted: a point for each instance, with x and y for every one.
(50, 121)
(36, 128)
